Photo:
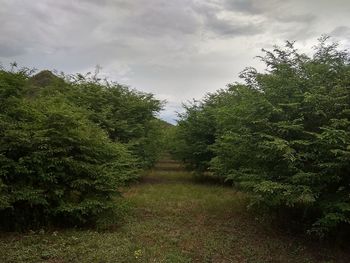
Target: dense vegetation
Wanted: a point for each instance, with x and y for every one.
(282, 135)
(173, 219)
(67, 144)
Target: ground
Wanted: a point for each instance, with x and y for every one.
(173, 218)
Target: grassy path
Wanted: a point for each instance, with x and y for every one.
(173, 219)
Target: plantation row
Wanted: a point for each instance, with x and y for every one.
(282, 135)
(66, 144)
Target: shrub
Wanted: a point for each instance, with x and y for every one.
(283, 135)
(128, 116)
(60, 163)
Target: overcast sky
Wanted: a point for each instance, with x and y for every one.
(176, 49)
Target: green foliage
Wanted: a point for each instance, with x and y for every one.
(194, 135)
(283, 135)
(150, 147)
(126, 115)
(66, 147)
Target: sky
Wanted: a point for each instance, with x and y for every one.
(177, 49)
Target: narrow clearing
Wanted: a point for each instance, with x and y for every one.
(173, 219)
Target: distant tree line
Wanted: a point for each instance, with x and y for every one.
(282, 135)
(67, 143)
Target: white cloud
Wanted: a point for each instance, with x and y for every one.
(178, 49)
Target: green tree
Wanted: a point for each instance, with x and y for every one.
(67, 145)
(283, 135)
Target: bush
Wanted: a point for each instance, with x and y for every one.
(59, 164)
(283, 135)
(128, 116)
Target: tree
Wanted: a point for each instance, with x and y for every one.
(283, 135)
(66, 146)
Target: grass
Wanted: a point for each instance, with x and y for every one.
(172, 219)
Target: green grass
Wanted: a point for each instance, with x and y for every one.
(172, 219)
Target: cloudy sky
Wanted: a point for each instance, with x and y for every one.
(178, 50)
